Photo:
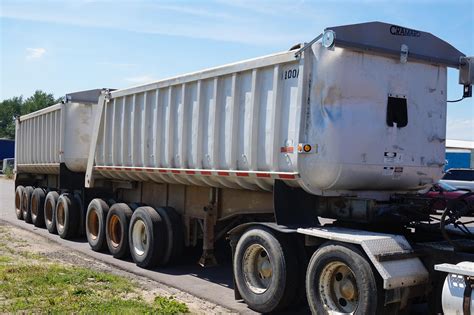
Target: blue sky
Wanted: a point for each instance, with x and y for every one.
(65, 46)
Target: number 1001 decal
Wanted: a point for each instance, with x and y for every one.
(290, 74)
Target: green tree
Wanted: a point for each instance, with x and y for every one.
(38, 101)
(9, 108)
(16, 106)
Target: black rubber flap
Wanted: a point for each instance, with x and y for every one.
(388, 39)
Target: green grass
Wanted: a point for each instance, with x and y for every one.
(8, 172)
(53, 288)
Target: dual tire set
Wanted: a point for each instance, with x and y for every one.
(270, 275)
(152, 237)
(59, 213)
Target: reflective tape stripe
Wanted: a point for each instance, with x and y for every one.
(197, 172)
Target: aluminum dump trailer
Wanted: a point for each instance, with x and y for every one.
(246, 124)
(57, 134)
(346, 127)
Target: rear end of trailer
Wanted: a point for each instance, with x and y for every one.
(51, 149)
(308, 161)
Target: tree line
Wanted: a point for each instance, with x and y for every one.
(17, 105)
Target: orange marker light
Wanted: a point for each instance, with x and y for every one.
(307, 148)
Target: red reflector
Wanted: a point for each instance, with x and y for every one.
(175, 171)
(286, 149)
(206, 173)
(190, 172)
(223, 173)
(286, 176)
(266, 175)
(242, 174)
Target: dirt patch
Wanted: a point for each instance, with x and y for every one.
(19, 246)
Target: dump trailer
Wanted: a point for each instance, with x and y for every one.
(308, 161)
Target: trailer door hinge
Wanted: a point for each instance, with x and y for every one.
(404, 54)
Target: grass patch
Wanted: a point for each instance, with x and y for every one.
(53, 288)
(8, 172)
(5, 259)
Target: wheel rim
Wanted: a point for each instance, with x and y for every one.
(18, 203)
(115, 231)
(34, 207)
(257, 269)
(48, 212)
(24, 204)
(139, 237)
(93, 224)
(60, 216)
(338, 288)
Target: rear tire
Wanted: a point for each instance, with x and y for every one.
(37, 207)
(67, 216)
(96, 217)
(49, 211)
(18, 200)
(116, 229)
(175, 234)
(148, 237)
(26, 203)
(265, 270)
(339, 279)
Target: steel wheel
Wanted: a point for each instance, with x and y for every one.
(257, 269)
(93, 224)
(338, 288)
(48, 212)
(60, 217)
(115, 229)
(139, 237)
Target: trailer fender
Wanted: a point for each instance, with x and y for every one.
(240, 229)
(391, 255)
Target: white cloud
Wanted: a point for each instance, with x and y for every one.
(208, 24)
(141, 79)
(460, 129)
(34, 53)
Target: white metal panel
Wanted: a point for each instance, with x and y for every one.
(229, 125)
(36, 136)
(59, 133)
(220, 123)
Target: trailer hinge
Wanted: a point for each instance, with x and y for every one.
(404, 54)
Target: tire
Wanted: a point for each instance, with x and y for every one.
(67, 216)
(334, 268)
(116, 229)
(26, 203)
(37, 207)
(175, 234)
(147, 237)
(18, 200)
(96, 217)
(49, 211)
(263, 289)
(81, 212)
